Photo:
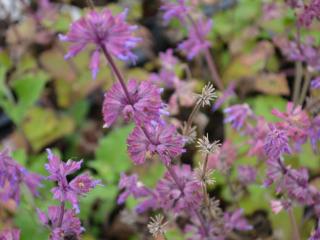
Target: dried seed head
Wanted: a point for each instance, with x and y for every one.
(204, 177)
(189, 133)
(157, 226)
(207, 95)
(206, 147)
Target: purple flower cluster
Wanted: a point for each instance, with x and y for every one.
(310, 12)
(105, 32)
(63, 222)
(237, 115)
(10, 234)
(12, 176)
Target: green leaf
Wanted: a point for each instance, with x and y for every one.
(111, 155)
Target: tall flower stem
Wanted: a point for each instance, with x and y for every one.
(295, 234)
(305, 87)
(297, 82)
(90, 4)
(211, 64)
(204, 184)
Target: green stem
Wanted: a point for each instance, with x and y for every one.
(297, 82)
(305, 87)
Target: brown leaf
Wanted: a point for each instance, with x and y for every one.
(272, 83)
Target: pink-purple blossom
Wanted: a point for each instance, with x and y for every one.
(237, 115)
(315, 83)
(10, 234)
(182, 195)
(155, 139)
(144, 105)
(276, 143)
(69, 228)
(197, 39)
(236, 221)
(175, 9)
(247, 174)
(310, 12)
(105, 32)
(12, 176)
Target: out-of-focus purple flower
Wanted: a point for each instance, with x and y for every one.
(276, 143)
(197, 40)
(175, 9)
(271, 11)
(257, 135)
(144, 106)
(156, 139)
(314, 133)
(235, 221)
(12, 176)
(274, 174)
(315, 235)
(68, 191)
(223, 158)
(226, 94)
(10, 234)
(295, 122)
(278, 205)
(310, 12)
(168, 60)
(296, 184)
(182, 195)
(70, 226)
(131, 186)
(247, 174)
(315, 83)
(237, 115)
(294, 3)
(196, 230)
(103, 30)
(165, 77)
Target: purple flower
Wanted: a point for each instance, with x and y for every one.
(197, 41)
(274, 174)
(12, 176)
(68, 191)
(314, 133)
(247, 174)
(235, 221)
(106, 32)
(165, 77)
(310, 12)
(182, 195)
(175, 9)
(315, 235)
(131, 186)
(276, 143)
(157, 139)
(10, 234)
(297, 185)
(168, 60)
(144, 106)
(70, 227)
(228, 93)
(237, 115)
(315, 83)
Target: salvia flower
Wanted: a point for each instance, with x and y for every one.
(315, 235)
(247, 174)
(156, 139)
(314, 133)
(175, 9)
(10, 234)
(226, 94)
(182, 195)
(65, 190)
(310, 12)
(276, 143)
(207, 95)
(68, 228)
(168, 60)
(12, 176)
(278, 205)
(102, 30)
(144, 105)
(237, 115)
(274, 174)
(236, 221)
(315, 83)
(197, 41)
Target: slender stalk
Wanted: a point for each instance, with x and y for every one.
(191, 116)
(204, 185)
(116, 72)
(305, 87)
(295, 233)
(297, 82)
(61, 214)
